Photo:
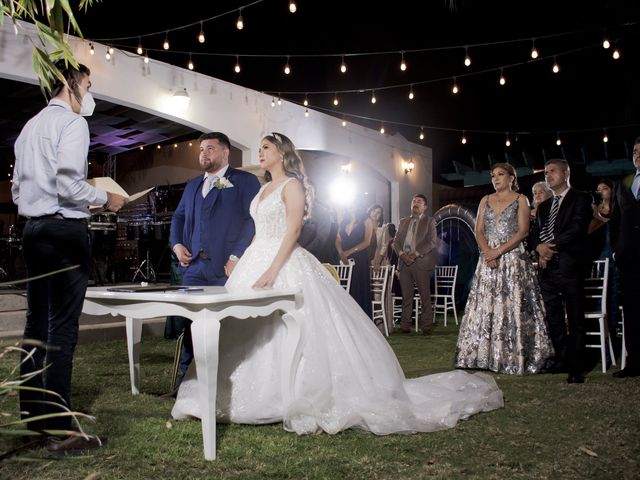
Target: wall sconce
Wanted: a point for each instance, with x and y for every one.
(408, 166)
(346, 168)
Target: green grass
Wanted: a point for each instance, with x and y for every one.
(547, 429)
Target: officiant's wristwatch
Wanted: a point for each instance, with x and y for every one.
(233, 258)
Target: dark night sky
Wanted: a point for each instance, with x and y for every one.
(592, 91)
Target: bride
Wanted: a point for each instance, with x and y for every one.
(348, 376)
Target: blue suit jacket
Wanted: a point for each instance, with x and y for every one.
(226, 225)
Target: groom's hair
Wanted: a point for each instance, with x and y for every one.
(221, 137)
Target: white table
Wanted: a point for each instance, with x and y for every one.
(206, 309)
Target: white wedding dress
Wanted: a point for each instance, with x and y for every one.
(348, 375)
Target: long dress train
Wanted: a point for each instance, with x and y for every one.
(348, 376)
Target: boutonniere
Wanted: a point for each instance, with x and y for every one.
(222, 182)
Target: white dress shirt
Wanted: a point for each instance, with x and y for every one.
(50, 171)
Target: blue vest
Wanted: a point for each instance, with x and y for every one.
(196, 236)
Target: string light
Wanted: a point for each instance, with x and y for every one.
(507, 142)
(335, 100)
(411, 95)
(92, 51)
(558, 141)
(382, 128)
(605, 42)
(556, 67)
(107, 55)
(467, 58)
(237, 67)
(403, 65)
(373, 96)
(306, 101)
(111, 50)
(534, 50)
(502, 79)
(343, 66)
(306, 112)
(165, 45)
(455, 88)
(421, 133)
(605, 138)
(146, 58)
(279, 100)
(139, 49)
(344, 122)
(273, 102)
(190, 65)
(240, 22)
(201, 34)
(292, 6)
(287, 68)
(616, 53)
(463, 140)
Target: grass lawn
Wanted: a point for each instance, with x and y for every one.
(548, 429)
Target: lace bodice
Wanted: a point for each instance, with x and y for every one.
(270, 215)
(498, 230)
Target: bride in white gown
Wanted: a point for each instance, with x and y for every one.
(348, 376)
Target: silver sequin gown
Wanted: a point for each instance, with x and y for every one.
(503, 328)
(348, 376)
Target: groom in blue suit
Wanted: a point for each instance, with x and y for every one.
(211, 228)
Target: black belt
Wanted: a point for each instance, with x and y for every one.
(58, 216)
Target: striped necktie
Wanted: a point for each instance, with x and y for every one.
(546, 235)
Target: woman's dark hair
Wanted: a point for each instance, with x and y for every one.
(372, 208)
(71, 75)
(391, 228)
(606, 181)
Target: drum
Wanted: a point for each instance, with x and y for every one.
(104, 217)
(103, 239)
(140, 231)
(161, 230)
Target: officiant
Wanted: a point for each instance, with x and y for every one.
(50, 189)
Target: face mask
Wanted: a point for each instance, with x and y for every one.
(88, 104)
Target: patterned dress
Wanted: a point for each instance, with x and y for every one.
(503, 328)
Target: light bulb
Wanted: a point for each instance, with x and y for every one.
(508, 142)
(616, 54)
(306, 112)
(373, 97)
(306, 102)
(455, 88)
(292, 6)
(92, 51)
(534, 52)
(467, 61)
(201, 37)
(240, 22)
(146, 58)
(343, 66)
(344, 123)
(273, 102)
(287, 69)
(165, 45)
(237, 68)
(502, 79)
(464, 140)
(190, 65)
(558, 142)
(335, 101)
(382, 129)
(606, 43)
(108, 56)
(279, 101)
(411, 94)
(421, 134)
(605, 139)
(556, 67)
(110, 50)
(139, 50)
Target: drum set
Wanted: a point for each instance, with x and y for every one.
(150, 236)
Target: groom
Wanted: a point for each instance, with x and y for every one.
(211, 228)
(560, 241)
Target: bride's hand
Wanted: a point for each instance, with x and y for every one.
(266, 280)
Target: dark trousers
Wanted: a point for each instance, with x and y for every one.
(565, 290)
(197, 274)
(630, 287)
(54, 305)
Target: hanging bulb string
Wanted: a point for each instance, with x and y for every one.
(183, 27)
(424, 126)
(364, 54)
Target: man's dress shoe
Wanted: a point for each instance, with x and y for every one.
(626, 372)
(74, 444)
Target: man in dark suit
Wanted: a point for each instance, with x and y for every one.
(415, 243)
(212, 227)
(561, 243)
(625, 238)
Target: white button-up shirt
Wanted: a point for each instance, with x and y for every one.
(50, 171)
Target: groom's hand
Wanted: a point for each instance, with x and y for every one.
(229, 266)
(184, 255)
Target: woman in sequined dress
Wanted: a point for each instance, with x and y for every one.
(503, 328)
(348, 375)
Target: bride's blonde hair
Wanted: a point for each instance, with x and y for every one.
(293, 167)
